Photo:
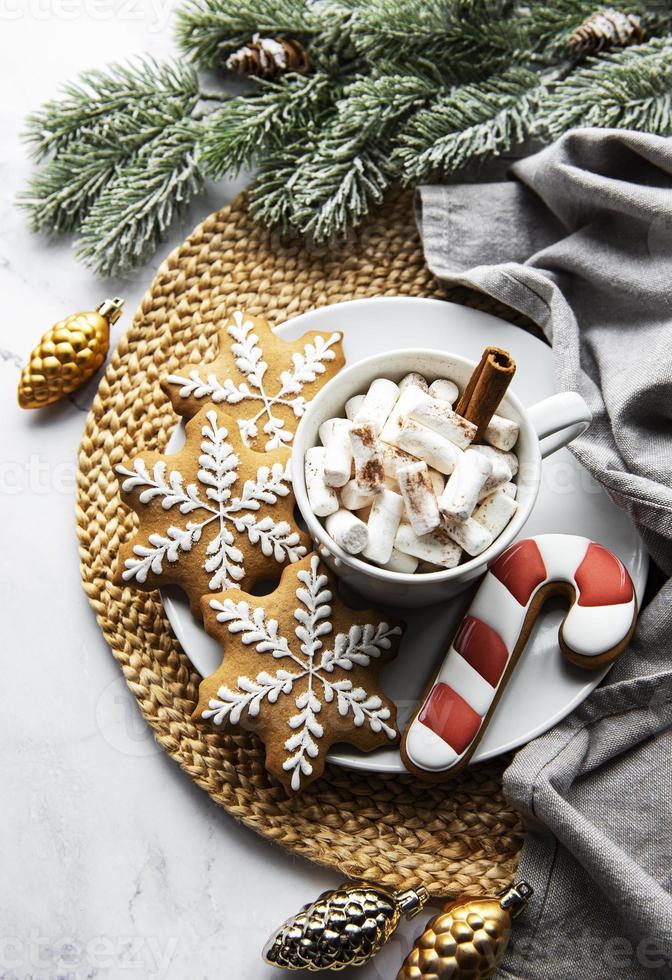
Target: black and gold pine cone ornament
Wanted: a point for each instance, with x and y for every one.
(344, 927)
(468, 939)
(604, 30)
(269, 58)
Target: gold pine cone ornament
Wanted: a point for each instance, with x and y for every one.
(68, 355)
(344, 927)
(468, 939)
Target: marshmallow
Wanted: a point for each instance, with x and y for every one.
(465, 483)
(435, 547)
(502, 433)
(430, 446)
(495, 512)
(352, 497)
(393, 459)
(444, 389)
(384, 520)
(379, 401)
(509, 488)
(499, 458)
(469, 534)
(338, 457)
(418, 494)
(348, 531)
(369, 469)
(399, 562)
(353, 405)
(413, 380)
(325, 431)
(410, 395)
(439, 417)
(322, 498)
(438, 482)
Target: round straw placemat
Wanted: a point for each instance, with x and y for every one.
(460, 837)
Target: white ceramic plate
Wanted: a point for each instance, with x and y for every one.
(544, 687)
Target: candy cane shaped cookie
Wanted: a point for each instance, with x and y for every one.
(461, 698)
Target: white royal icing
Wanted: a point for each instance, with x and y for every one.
(249, 359)
(325, 667)
(214, 514)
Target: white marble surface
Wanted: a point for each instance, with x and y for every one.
(112, 862)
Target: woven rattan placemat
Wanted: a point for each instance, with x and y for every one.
(394, 830)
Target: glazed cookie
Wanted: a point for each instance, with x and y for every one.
(212, 516)
(301, 670)
(462, 696)
(265, 381)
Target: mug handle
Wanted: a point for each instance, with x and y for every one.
(559, 419)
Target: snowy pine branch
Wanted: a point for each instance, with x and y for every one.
(134, 211)
(249, 126)
(472, 122)
(209, 30)
(119, 103)
(395, 90)
(631, 89)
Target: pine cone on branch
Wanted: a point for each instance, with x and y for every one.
(604, 30)
(268, 58)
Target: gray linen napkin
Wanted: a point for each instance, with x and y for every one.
(581, 242)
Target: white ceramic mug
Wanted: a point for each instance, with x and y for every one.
(544, 428)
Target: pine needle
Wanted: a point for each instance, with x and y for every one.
(135, 210)
(469, 124)
(630, 89)
(210, 30)
(108, 103)
(249, 126)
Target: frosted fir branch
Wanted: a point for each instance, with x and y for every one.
(230, 705)
(468, 38)
(160, 548)
(335, 201)
(349, 170)
(61, 193)
(117, 103)
(134, 212)
(210, 30)
(473, 122)
(249, 126)
(171, 490)
(253, 625)
(630, 89)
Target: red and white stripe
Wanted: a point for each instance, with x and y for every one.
(451, 719)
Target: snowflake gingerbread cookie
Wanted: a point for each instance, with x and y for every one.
(212, 516)
(265, 381)
(301, 670)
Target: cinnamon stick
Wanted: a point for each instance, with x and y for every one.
(486, 388)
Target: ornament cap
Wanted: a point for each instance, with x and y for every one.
(412, 901)
(111, 309)
(514, 898)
